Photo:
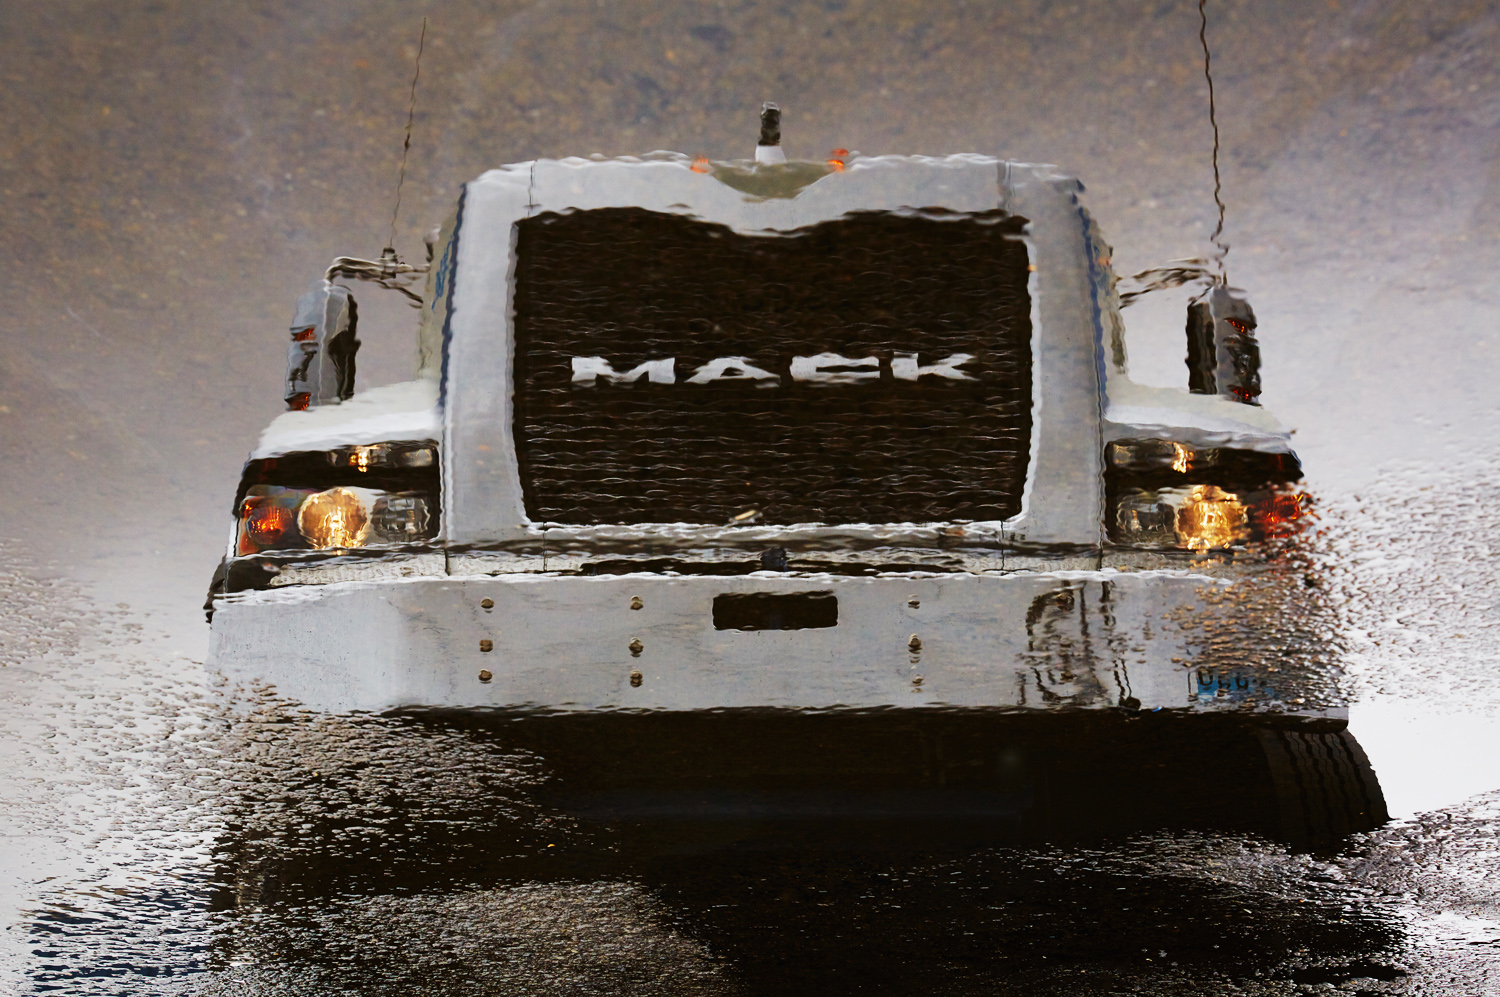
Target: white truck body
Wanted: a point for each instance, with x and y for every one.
(510, 606)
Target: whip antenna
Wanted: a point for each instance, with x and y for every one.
(1222, 249)
(390, 246)
(1210, 269)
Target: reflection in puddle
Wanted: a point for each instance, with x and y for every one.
(1072, 851)
(755, 853)
(827, 599)
(1427, 758)
(170, 843)
(1411, 558)
(771, 747)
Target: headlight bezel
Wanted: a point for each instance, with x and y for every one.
(1165, 495)
(392, 488)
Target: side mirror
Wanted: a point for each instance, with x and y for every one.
(1223, 357)
(320, 359)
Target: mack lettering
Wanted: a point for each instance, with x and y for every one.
(819, 369)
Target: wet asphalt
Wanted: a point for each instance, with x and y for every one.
(173, 176)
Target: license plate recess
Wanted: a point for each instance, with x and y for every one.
(776, 611)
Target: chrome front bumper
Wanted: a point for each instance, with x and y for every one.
(1029, 640)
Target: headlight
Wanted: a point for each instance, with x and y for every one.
(380, 456)
(268, 520)
(339, 517)
(1203, 517)
(358, 496)
(1193, 517)
(1280, 513)
(356, 517)
(400, 518)
(1168, 495)
(273, 518)
(1210, 518)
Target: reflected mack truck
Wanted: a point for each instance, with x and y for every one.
(854, 434)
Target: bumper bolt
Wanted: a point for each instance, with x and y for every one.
(915, 644)
(486, 645)
(636, 647)
(635, 602)
(484, 675)
(636, 679)
(486, 603)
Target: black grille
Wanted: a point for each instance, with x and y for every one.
(629, 286)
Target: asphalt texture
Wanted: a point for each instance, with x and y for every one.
(174, 174)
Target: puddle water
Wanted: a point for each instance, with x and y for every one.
(1428, 758)
(1418, 559)
(176, 176)
(165, 839)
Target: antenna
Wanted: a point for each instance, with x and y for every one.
(1222, 248)
(389, 271)
(390, 246)
(1193, 270)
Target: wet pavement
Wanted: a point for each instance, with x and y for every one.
(174, 175)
